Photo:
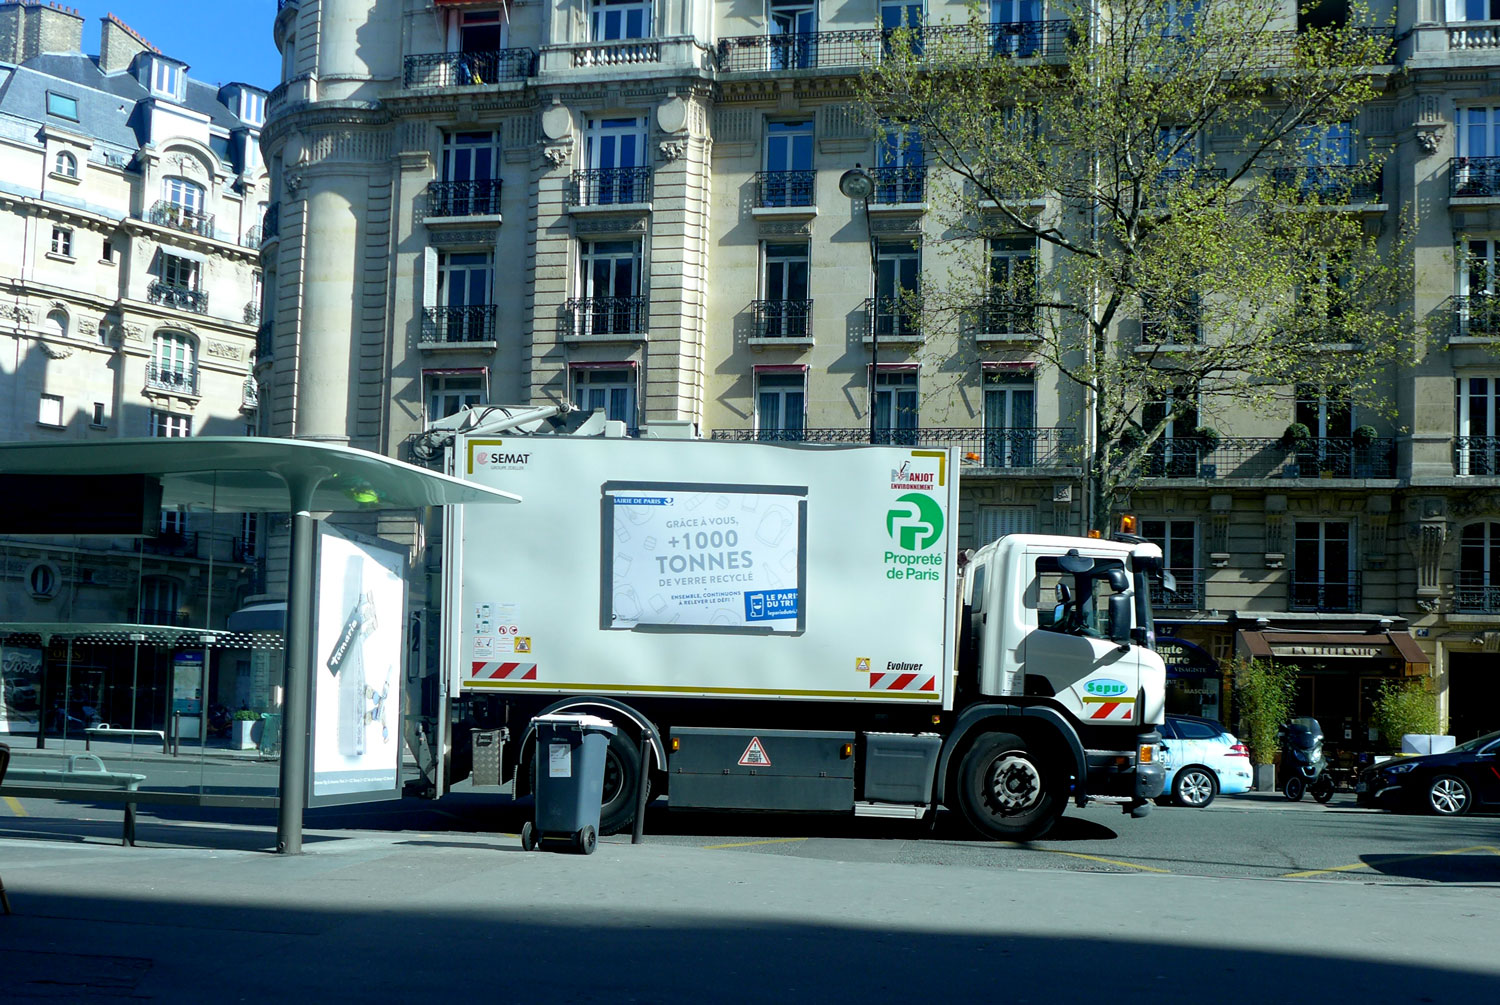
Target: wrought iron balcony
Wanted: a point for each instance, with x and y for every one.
(189, 221)
(1332, 184)
(596, 316)
(181, 380)
(782, 189)
(172, 542)
(466, 69)
(1475, 316)
(999, 317)
(471, 323)
(1189, 594)
(898, 185)
(179, 297)
(271, 224)
(1476, 455)
(252, 313)
(1323, 594)
(463, 198)
(789, 319)
(1265, 457)
(159, 616)
(1474, 595)
(822, 50)
(996, 449)
(265, 341)
(1474, 176)
(611, 186)
(894, 317)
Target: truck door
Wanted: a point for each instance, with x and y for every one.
(1093, 676)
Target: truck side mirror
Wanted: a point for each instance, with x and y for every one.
(1119, 618)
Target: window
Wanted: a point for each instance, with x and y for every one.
(1176, 453)
(252, 107)
(780, 404)
(161, 599)
(1091, 592)
(788, 176)
(1020, 24)
(1326, 412)
(1178, 540)
(480, 31)
(610, 274)
(62, 242)
(1010, 307)
(1478, 131)
(249, 535)
(610, 390)
(448, 393)
(1478, 425)
(174, 362)
(619, 19)
(614, 150)
(62, 106)
(896, 407)
(65, 164)
(1326, 145)
(792, 25)
(174, 522)
(900, 168)
(50, 413)
(1478, 307)
(1472, 10)
(169, 424)
(183, 194)
(1009, 419)
(898, 271)
(107, 252)
(471, 156)
(465, 307)
(1180, 17)
(1478, 582)
(178, 272)
(994, 522)
(57, 323)
(166, 78)
(98, 419)
(896, 14)
(1323, 566)
(785, 306)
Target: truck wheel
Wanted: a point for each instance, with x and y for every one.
(622, 765)
(1005, 789)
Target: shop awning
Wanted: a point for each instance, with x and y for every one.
(1332, 645)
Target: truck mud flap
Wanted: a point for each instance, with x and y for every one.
(760, 769)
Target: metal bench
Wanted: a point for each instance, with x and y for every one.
(97, 777)
(110, 733)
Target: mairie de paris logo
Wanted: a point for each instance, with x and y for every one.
(915, 523)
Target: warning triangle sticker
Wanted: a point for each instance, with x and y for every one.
(755, 755)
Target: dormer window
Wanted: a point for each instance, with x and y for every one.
(252, 107)
(166, 79)
(62, 106)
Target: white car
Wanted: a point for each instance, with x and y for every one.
(1201, 759)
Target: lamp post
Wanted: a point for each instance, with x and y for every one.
(857, 184)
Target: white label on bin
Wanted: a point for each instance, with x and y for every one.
(559, 760)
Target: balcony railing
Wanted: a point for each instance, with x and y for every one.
(189, 221)
(1476, 597)
(253, 237)
(1476, 316)
(271, 225)
(463, 198)
(1001, 318)
(159, 616)
(180, 297)
(591, 316)
(617, 52)
(1476, 455)
(1197, 177)
(465, 69)
(1264, 457)
(471, 323)
(898, 185)
(981, 448)
(610, 186)
(790, 319)
(781, 189)
(894, 317)
(173, 542)
(1474, 176)
(1334, 184)
(1323, 594)
(252, 313)
(822, 50)
(265, 341)
(1188, 595)
(182, 380)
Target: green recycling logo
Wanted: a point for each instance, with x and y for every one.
(916, 522)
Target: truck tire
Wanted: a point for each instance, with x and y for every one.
(622, 765)
(1006, 791)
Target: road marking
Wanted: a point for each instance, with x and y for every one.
(749, 844)
(1399, 858)
(1106, 861)
(15, 806)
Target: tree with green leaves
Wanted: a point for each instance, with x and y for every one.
(1191, 181)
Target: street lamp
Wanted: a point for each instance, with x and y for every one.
(857, 184)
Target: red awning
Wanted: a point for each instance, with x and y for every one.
(1011, 366)
(898, 367)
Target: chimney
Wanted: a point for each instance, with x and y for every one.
(119, 44)
(29, 29)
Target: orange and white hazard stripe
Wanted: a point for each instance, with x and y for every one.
(503, 671)
(1110, 709)
(902, 682)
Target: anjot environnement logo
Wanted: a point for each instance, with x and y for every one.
(915, 525)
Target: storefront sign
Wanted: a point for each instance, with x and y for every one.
(1365, 651)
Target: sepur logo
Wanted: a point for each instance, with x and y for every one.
(1105, 687)
(915, 523)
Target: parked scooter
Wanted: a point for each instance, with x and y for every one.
(1303, 762)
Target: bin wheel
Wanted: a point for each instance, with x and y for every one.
(528, 837)
(587, 840)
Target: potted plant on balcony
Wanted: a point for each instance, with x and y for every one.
(1364, 460)
(1208, 441)
(1298, 439)
(244, 729)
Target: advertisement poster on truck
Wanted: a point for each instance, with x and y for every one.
(703, 568)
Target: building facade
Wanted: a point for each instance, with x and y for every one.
(131, 203)
(634, 206)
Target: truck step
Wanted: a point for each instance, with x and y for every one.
(890, 811)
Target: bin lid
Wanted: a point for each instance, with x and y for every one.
(581, 721)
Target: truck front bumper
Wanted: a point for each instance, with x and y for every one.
(1125, 775)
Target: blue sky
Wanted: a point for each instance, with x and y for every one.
(221, 42)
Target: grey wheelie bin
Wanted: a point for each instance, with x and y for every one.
(569, 782)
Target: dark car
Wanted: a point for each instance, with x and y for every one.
(1453, 782)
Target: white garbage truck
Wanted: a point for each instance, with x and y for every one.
(787, 628)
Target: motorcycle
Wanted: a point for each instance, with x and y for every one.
(219, 720)
(1303, 762)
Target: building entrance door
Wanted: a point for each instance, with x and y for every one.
(1471, 676)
